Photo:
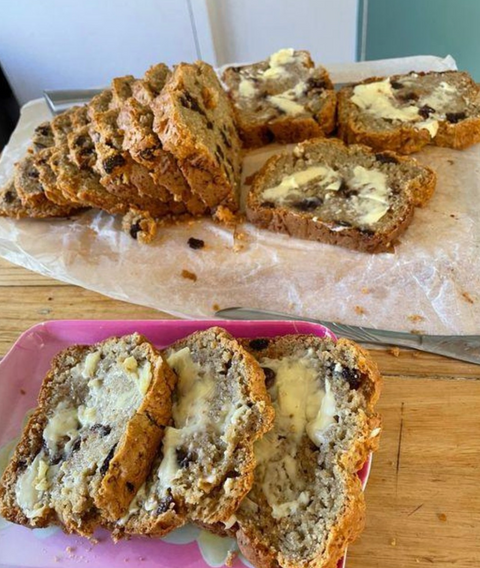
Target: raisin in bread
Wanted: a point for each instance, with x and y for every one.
(88, 446)
(307, 503)
(195, 123)
(206, 463)
(404, 113)
(284, 99)
(346, 195)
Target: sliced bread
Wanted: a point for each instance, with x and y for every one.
(283, 99)
(206, 462)
(307, 504)
(195, 123)
(404, 113)
(326, 191)
(89, 444)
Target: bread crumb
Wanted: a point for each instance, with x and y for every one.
(237, 247)
(70, 549)
(415, 318)
(442, 517)
(416, 331)
(215, 307)
(230, 559)
(393, 542)
(365, 290)
(56, 559)
(451, 162)
(415, 354)
(94, 540)
(225, 216)
(466, 296)
(189, 275)
(359, 310)
(395, 351)
(23, 391)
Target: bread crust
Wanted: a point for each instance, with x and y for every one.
(253, 543)
(303, 225)
(404, 139)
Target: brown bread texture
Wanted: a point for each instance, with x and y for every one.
(88, 446)
(195, 123)
(206, 463)
(404, 113)
(283, 99)
(351, 196)
(307, 504)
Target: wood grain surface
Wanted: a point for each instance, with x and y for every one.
(423, 496)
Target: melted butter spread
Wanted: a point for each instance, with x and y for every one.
(293, 182)
(372, 201)
(31, 487)
(64, 423)
(302, 407)
(246, 88)
(378, 99)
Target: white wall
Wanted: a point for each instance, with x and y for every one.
(248, 30)
(61, 44)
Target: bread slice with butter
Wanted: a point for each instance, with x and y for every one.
(89, 445)
(307, 504)
(404, 113)
(206, 463)
(283, 99)
(326, 191)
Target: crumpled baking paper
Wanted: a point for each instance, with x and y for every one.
(430, 284)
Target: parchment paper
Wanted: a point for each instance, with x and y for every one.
(430, 283)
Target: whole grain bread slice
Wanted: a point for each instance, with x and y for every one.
(206, 463)
(404, 113)
(351, 196)
(195, 123)
(88, 446)
(306, 504)
(284, 99)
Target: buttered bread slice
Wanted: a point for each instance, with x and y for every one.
(284, 99)
(89, 445)
(406, 112)
(206, 463)
(351, 196)
(307, 503)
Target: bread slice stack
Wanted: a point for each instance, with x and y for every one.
(351, 196)
(258, 438)
(150, 149)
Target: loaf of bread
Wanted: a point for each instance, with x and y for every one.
(283, 99)
(347, 195)
(206, 463)
(404, 113)
(89, 445)
(307, 504)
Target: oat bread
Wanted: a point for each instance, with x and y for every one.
(42, 137)
(88, 446)
(404, 113)
(206, 463)
(306, 504)
(195, 123)
(12, 206)
(283, 99)
(326, 191)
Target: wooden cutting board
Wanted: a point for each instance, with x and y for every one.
(423, 497)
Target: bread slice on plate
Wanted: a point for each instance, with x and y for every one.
(206, 463)
(404, 113)
(89, 445)
(307, 504)
(351, 196)
(195, 123)
(283, 99)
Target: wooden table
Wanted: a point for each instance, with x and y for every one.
(423, 497)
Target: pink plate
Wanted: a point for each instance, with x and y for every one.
(21, 373)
